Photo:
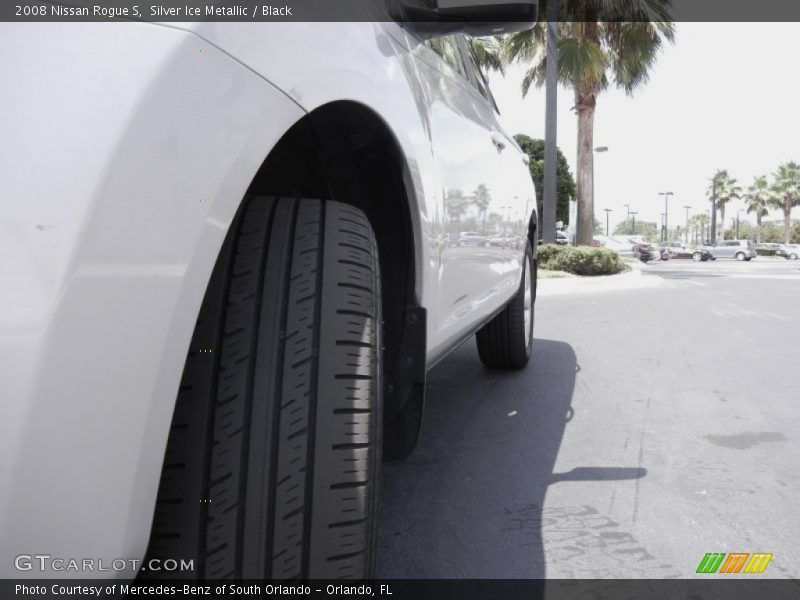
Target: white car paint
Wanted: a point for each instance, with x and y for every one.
(126, 150)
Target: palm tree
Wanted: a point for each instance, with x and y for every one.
(482, 198)
(786, 193)
(727, 189)
(698, 222)
(757, 200)
(600, 44)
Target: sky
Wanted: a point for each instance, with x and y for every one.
(724, 96)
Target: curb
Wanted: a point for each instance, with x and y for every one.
(631, 280)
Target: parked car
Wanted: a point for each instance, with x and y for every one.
(620, 245)
(645, 252)
(472, 238)
(737, 249)
(672, 249)
(635, 246)
(501, 241)
(768, 246)
(789, 251)
(225, 279)
(701, 255)
(562, 239)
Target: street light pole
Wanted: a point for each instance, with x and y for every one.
(550, 126)
(737, 223)
(608, 211)
(666, 210)
(633, 216)
(713, 236)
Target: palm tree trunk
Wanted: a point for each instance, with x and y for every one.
(721, 222)
(758, 231)
(787, 220)
(585, 106)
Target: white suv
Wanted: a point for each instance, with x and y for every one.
(225, 274)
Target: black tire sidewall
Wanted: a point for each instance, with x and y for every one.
(528, 258)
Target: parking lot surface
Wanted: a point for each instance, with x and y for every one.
(653, 425)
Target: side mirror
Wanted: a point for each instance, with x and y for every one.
(434, 18)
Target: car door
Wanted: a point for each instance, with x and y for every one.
(723, 250)
(468, 147)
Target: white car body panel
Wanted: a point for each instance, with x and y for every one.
(126, 151)
(425, 126)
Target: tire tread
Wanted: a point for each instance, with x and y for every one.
(280, 471)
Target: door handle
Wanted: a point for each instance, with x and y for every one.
(499, 141)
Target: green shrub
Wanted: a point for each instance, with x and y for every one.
(548, 251)
(765, 252)
(581, 260)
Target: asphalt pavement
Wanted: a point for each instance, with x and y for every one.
(655, 423)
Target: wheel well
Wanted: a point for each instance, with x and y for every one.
(533, 235)
(345, 151)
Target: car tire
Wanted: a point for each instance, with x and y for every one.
(273, 459)
(793, 257)
(749, 258)
(697, 257)
(505, 342)
(740, 256)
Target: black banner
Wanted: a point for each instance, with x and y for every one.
(367, 10)
(734, 588)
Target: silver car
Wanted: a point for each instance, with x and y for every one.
(788, 251)
(225, 277)
(738, 249)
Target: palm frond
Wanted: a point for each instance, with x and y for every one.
(525, 46)
(757, 197)
(488, 53)
(534, 75)
(581, 63)
(600, 41)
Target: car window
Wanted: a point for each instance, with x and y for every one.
(474, 73)
(447, 48)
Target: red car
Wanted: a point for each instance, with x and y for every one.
(644, 252)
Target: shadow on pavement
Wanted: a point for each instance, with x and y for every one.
(599, 474)
(488, 446)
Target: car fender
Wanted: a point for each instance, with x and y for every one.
(118, 196)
